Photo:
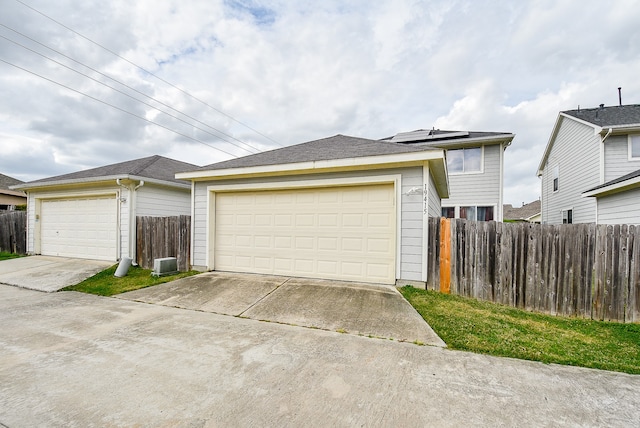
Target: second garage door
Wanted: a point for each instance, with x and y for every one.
(345, 233)
(81, 228)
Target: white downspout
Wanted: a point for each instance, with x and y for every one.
(120, 197)
(602, 172)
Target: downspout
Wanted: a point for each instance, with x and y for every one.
(120, 200)
(132, 222)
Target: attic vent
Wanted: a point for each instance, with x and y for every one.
(165, 266)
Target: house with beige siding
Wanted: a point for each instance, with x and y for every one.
(475, 164)
(10, 199)
(591, 167)
(341, 208)
(92, 213)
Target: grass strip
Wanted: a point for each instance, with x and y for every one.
(494, 329)
(4, 255)
(105, 284)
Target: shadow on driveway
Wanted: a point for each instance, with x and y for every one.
(363, 309)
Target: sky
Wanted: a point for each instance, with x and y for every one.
(203, 81)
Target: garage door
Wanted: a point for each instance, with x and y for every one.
(345, 233)
(83, 228)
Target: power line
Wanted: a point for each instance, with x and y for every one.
(130, 96)
(150, 73)
(116, 107)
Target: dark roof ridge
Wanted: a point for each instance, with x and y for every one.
(152, 159)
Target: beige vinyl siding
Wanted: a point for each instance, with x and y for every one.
(616, 158)
(159, 201)
(410, 219)
(576, 152)
(620, 208)
(478, 189)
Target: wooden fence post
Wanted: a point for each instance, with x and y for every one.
(445, 256)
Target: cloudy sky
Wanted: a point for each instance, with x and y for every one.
(238, 76)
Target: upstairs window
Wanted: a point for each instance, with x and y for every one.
(461, 161)
(634, 147)
(556, 178)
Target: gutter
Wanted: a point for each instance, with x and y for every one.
(103, 179)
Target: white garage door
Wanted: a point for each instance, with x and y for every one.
(345, 233)
(83, 228)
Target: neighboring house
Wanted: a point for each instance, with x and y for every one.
(9, 198)
(590, 168)
(475, 162)
(526, 213)
(340, 208)
(92, 214)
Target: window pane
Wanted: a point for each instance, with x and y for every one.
(635, 146)
(449, 212)
(473, 160)
(468, 213)
(485, 213)
(455, 160)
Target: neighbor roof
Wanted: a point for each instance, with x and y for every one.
(153, 167)
(525, 212)
(628, 181)
(336, 147)
(608, 116)
(6, 182)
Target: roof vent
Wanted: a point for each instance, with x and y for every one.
(601, 106)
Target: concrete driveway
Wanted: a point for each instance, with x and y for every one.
(364, 309)
(75, 360)
(46, 273)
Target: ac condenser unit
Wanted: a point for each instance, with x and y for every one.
(165, 266)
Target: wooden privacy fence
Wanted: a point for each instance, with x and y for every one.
(159, 237)
(583, 270)
(13, 232)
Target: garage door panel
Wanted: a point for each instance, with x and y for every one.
(82, 228)
(338, 233)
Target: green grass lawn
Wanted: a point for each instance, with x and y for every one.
(4, 255)
(489, 328)
(105, 284)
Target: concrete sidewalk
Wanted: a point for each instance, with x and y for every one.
(74, 360)
(363, 309)
(47, 273)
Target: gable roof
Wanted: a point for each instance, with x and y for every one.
(156, 168)
(337, 153)
(525, 212)
(620, 184)
(605, 117)
(330, 148)
(6, 182)
(604, 121)
(443, 138)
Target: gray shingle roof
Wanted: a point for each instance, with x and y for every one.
(6, 181)
(608, 116)
(522, 213)
(153, 167)
(336, 147)
(624, 178)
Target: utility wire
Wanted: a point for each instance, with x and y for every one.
(150, 73)
(119, 82)
(124, 93)
(116, 107)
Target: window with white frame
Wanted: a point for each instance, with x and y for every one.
(467, 160)
(449, 212)
(477, 213)
(567, 216)
(556, 178)
(634, 147)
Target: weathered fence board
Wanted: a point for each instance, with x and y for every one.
(583, 270)
(159, 237)
(13, 232)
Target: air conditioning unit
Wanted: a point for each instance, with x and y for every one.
(165, 266)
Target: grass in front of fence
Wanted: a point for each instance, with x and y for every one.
(4, 255)
(494, 329)
(105, 284)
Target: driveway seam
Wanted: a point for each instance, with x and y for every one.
(263, 297)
